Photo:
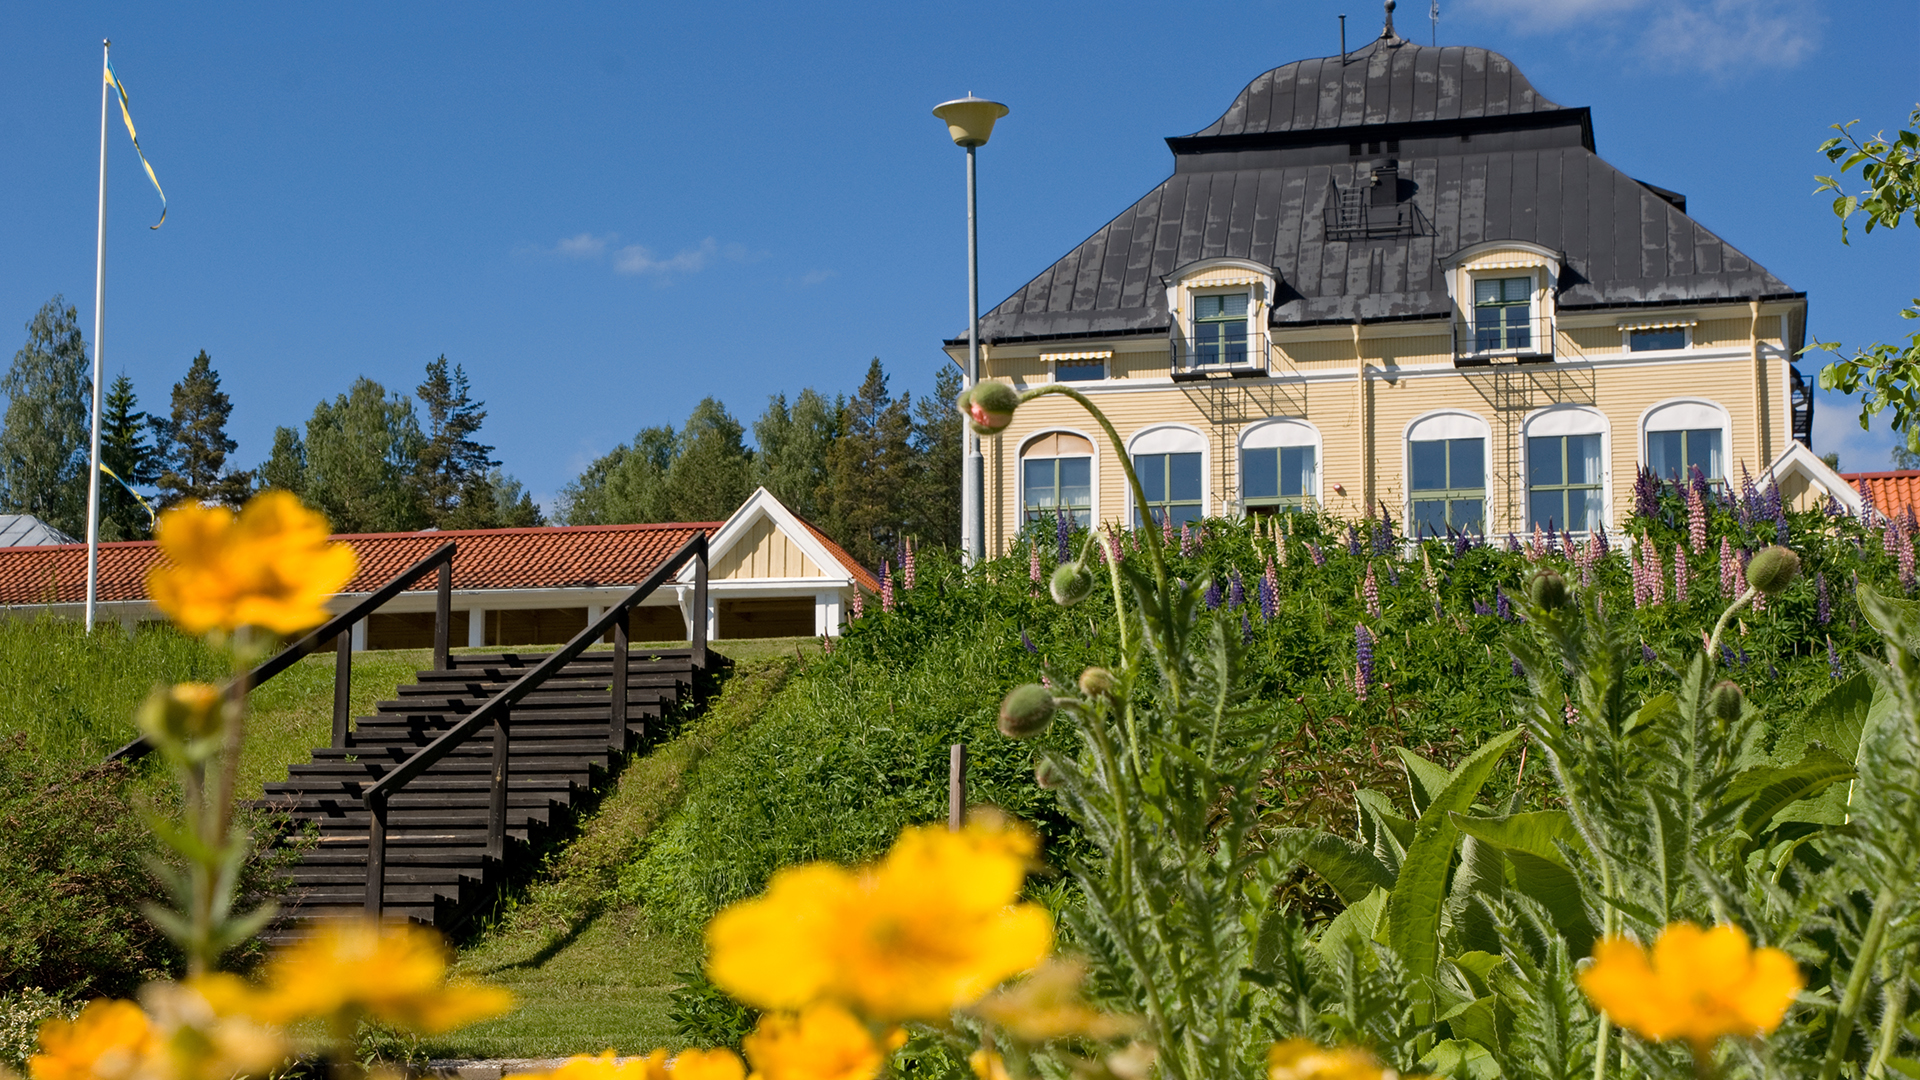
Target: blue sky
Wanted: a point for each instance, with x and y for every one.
(606, 212)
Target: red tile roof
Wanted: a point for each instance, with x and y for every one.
(573, 556)
(863, 576)
(1894, 491)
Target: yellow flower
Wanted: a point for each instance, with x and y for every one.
(708, 1065)
(1303, 1059)
(988, 1065)
(604, 1067)
(824, 1042)
(395, 974)
(109, 1040)
(272, 566)
(927, 930)
(202, 1031)
(1697, 985)
(1047, 1005)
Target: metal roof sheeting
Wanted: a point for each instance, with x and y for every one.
(25, 530)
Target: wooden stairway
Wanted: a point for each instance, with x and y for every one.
(439, 865)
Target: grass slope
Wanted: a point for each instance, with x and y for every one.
(591, 972)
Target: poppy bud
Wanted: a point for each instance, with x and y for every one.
(1773, 569)
(1725, 700)
(1027, 711)
(1046, 775)
(1096, 682)
(989, 407)
(1548, 590)
(1072, 582)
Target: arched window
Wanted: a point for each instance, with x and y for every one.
(1447, 474)
(1681, 436)
(1566, 469)
(1171, 462)
(1056, 474)
(1279, 467)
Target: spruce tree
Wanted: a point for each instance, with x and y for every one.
(124, 449)
(495, 501)
(193, 442)
(43, 440)
(934, 514)
(286, 466)
(712, 471)
(363, 455)
(871, 469)
(794, 444)
(453, 464)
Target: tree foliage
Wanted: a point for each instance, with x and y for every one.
(125, 450)
(712, 470)
(363, 451)
(453, 467)
(193, 442)
(43, 442)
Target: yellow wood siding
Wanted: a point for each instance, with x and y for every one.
(765, 552)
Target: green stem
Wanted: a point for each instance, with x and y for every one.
(1119, 452)
(1713, 643)
(1856, 993)
(1893, 1012)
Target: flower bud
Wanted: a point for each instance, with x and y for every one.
(1046, 775)
(1773, 569)
(1027, 711)
(1096, 682)
(989, 407)
(1548, 590)
(1724, 701)
(188, 717)
(1072, 582)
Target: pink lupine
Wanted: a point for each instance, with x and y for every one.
(1656, 576)
(1697, 521)
(1166, 530)
(1272, 578)
(859, 603)
(1537, 547)
(906, 563)
(1729, 570)
(1637, 567)
(886, 586)
(1370, 592)
(1033, 562)
(1113, 544)
(1680, 573)
(1186, 540)
(1903, 551)
(1313, 552)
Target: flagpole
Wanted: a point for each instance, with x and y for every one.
(99, 326)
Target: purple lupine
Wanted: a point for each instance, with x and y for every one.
(886, 586)
(906, 563)
(1744, 658)
(1480, 607)
(1727, 659)
(1697, 519)
(1779, 515)
(1063, 535)
(1680, 573)
(1868, 512)
(1033, 562)
(1833, 508)
(1749, 496)
(1461, 542)
(1027, 642)
(1513, 544)
(1313, 552)
(1518, 671)
(1646, 494)
(1833, 659)
(1370, 592)
(1246, 629)
(1382, 536)
(1646, 654)
(1363, 661)
(1502, 606)
(1393, 574)
(1236, 590)
(1605, 544)
(1353, 541)
(1213, 595)
(1823, 607)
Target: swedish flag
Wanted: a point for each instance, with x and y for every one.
(126, 114)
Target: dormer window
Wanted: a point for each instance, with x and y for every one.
(1503, 314)
(1220, 329)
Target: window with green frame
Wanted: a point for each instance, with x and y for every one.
(1171, 483)
(1673, 455)
(1448, 484)
(1053, 484)
(1563, 482)
(1220, 329)
(1502, 313)
(1276, 479)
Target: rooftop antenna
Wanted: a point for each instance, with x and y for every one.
(1435, 16)
(1343, 39)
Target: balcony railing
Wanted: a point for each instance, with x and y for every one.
(1239, 359)
(1485, 342)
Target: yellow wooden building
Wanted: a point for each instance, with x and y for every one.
(1396, 281)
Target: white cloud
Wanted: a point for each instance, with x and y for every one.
(584, 246)
(1719, 37)
(818, 277)
(1836, 427)
(635, 259)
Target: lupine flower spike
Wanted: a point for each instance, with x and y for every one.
(1313, 552)
(1727, 567)
(1236, 590)
(1679, 573)
(859, 605)
(1697, 519)
(1370, 592)
(1823, 607)
(1363, 661)
(1033, 563)
(886, 586)
(906, 563)
(1833, 660)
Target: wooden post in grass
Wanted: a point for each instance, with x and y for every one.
(957, 787)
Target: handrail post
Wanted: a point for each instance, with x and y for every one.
(699, 642)
(342, 685)
(376, 855)
(442, 614)
(617, 714)
(497, 802)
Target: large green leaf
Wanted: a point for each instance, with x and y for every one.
(1532, 844)
(1461, 1059)
(1386, 831)
(1420, 893)
(1353, 928)
(1425, 779)
(1350, 868)
(1767, 790)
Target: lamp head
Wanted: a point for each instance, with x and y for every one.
(970, 119)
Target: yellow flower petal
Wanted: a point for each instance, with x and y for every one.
(271, 566)
(393, 974)
(1695, 984)
(109, 1040)
(824, 1042)
(719, 1064)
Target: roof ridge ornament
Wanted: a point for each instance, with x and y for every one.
(1387, 35)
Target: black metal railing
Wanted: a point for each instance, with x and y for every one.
(495, 716)
(1243, 358)
(340, 629)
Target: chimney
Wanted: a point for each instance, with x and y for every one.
(1386, 183)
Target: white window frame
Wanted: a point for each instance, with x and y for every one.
(1505, 259)
(1173, 439)
(1447, 424)
(1689, 414)
(1569, 420)
(1020, 472)
(1299, 432)
(1627, 330)
(1102, 357)
(1217, 277)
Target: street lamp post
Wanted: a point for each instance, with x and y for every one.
(970, 122)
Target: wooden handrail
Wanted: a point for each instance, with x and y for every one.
(496, 712)
(340, 628)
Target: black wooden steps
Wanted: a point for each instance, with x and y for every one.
(439, 871)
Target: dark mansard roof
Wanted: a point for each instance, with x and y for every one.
(1481, 155)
